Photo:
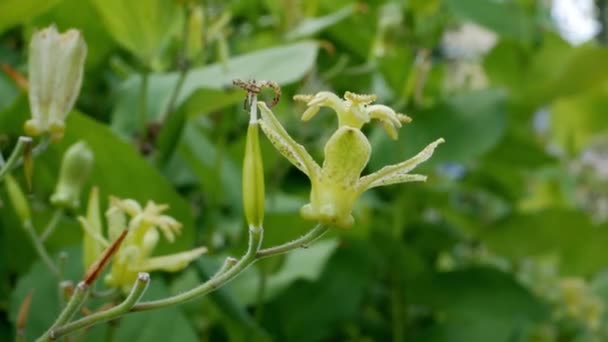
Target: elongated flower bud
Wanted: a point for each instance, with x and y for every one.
(56, 65)
(196, 23)
(75, 170)
(18, 199)
(253, 174)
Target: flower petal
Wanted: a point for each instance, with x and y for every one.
(285, 144)
(170, 263)
(393, 173)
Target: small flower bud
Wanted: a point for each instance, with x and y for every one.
(75, 169)
(18, 199)
(56, 65)
(196, 22)
(253, 175)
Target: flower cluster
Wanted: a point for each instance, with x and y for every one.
(144, 224)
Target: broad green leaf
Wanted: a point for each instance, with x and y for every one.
(577, 120)
(471, 124)
(284, 65)
(143, 27)
(313, 311)
(311, 26)
(569, 235)
(503, 17)
(13, 12)
(478, 304)
(8, 92)
(99, 42)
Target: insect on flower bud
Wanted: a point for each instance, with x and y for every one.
(56, 65)
(75, 169)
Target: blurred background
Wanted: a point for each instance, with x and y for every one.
(506, 241)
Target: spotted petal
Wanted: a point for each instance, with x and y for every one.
(398, 173)
(285, 144)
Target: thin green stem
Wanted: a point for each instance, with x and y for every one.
(143, 104)
(255, 241)
(78, 297)
(14, 157)
(183, 65)
(137, 291)
(40, 249)
(302, 242)
(227, 272)
(53, 222)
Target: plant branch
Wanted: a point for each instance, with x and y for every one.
(50, 227)
(183, 64)
(40, 249)
(302, 242)
(137, 291)
(255, 241)
(78, 297)
(14, 157)
(230, 270)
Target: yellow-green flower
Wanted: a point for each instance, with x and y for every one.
(145, 224)
(337, 184)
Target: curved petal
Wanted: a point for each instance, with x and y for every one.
(285, 144)
(392, 173)
(170, 263)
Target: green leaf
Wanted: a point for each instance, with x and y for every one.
(478, 304)
(471, 124)
(312, 311)
(13, 12)
(503, 17)
(143, 27)
(284, 65)
(577, 120)
(569, 235)
(312, 26)
(99, 43)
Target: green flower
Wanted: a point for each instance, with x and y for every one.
(337, 184)
(145, 224)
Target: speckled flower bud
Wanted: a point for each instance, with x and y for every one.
(75, 170)
(56, 63)
(253, 174)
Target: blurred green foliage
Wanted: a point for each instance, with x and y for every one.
(507, 240)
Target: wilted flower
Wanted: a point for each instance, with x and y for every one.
(56, 65)
(338, 183)
(135, 253)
